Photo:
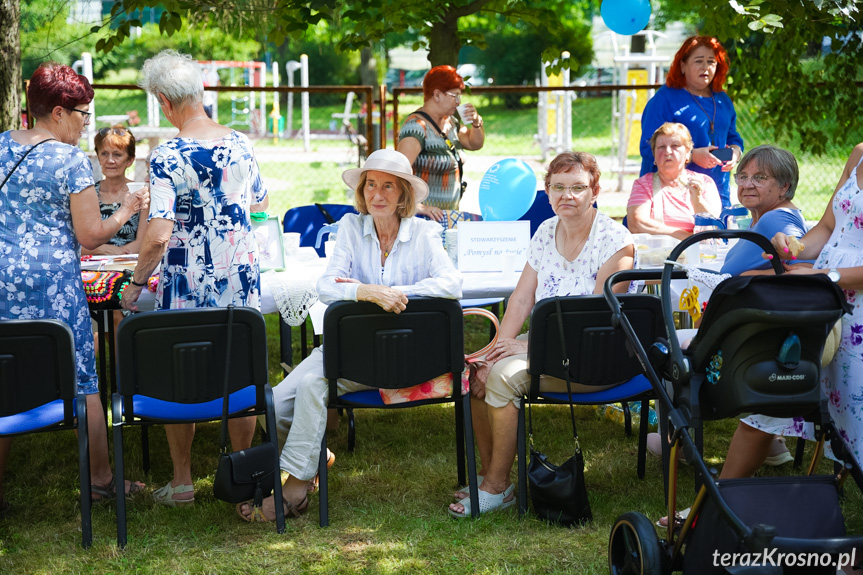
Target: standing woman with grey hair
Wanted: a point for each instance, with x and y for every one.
(204, 184)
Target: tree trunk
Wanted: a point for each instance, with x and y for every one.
(368, 67)
(10, 65)
(444, 42)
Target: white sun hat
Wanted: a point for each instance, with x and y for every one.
(390, 162)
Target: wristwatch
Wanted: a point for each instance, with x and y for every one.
(834, 275)
(134, 283)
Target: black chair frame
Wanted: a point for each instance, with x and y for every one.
(37, 370)
(178, 357)
(365, 344)
(599, 355)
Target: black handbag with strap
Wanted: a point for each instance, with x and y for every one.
(246, 474)
(559, 494)
(452, 150)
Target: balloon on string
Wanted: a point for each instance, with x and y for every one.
(625, 17)
(507, 190)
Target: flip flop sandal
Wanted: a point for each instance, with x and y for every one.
(466, 489)
(165, 495)
(257, 515)
(313, 484)
(487, 502)
(679, 519)
(109, 492)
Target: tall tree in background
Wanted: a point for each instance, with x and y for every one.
(10, 65)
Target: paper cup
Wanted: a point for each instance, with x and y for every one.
(465, 114)
(291, 242)
(135, 186)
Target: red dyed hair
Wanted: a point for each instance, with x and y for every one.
(566, 162)
(55, 84)
(443, 78)
(675, 77)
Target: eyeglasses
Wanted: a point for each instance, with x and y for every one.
(456, 97)
(116, 131)
(576, 189)
(85, 114)
(757, 180)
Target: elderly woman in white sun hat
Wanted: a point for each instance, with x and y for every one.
(382, 255)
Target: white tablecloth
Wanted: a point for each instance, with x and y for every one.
(308, 269)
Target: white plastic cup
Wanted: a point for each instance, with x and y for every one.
(465, 114)
(329, 248)
(291, 243)
(135, 186)
(451, 240)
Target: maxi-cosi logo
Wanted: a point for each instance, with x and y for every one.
(777, 377)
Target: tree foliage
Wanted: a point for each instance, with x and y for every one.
(777, 61)
(359, 23)
(511, 53)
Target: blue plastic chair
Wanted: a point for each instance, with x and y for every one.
(39, 392)
(307, 220)
(539, 211)
(365, 344)
(598, 356)
(171, 368)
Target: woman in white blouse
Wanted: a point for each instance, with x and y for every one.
(572, 253)
(382, 255)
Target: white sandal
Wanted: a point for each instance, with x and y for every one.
(165, 495)
(466, 488)
(487, 502)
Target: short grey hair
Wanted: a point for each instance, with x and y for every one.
(776, 162)
(176, 76)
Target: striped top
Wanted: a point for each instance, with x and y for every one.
(436, 164)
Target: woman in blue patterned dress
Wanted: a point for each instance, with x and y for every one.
(204, 184)
(48, 209)
(836, 244)
(572, 253)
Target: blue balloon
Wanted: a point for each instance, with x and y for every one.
(625, 17)
(507, 190)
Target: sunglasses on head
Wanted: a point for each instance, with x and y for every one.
(117, 131)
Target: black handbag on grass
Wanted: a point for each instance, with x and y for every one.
(558, 494)
(245, 474)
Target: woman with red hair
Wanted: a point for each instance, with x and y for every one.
(50, 210)
(693, 96)
(432, 139)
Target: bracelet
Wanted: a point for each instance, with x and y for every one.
(134, 283)
(480, 123)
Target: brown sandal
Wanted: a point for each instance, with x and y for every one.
(313, 484)
(257, 515)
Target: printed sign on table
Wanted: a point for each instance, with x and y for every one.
(493, 246)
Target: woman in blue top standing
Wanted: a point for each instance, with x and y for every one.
(693, 96)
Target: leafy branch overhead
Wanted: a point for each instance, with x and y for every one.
(797, 61)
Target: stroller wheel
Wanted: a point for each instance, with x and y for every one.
(633, 547)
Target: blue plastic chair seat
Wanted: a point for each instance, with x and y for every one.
(369, 397)
(38, 418)
(635, 387)
(151, 408)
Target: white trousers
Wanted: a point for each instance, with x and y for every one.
(301, 414)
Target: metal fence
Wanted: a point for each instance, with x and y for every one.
(302, 168)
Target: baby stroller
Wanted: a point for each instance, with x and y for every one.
(757, 350)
